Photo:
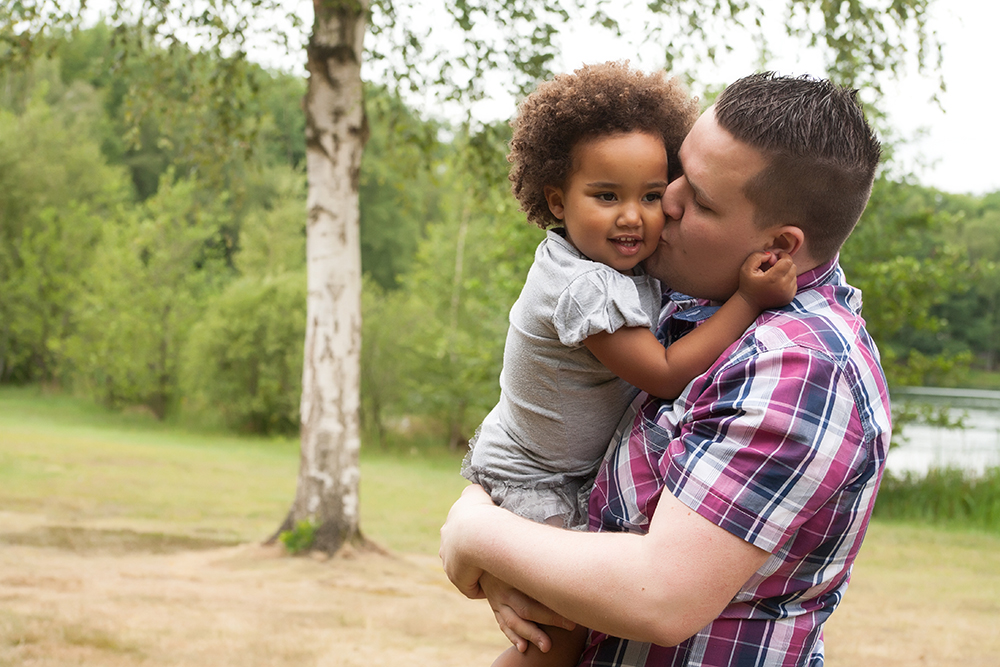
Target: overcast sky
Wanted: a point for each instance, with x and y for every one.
(964, 140)
(962, 143)
(957, 153)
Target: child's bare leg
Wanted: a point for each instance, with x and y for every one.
(567, 645)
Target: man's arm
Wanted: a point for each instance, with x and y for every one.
(661, 587)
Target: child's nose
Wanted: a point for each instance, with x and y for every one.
(631, 215)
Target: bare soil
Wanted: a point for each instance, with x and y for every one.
(121, 598)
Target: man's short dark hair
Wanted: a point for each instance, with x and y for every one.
(821, 153)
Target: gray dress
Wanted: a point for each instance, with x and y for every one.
(538, 450)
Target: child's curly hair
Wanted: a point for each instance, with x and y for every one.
(593, 101)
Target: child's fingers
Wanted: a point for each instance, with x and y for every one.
(520, 616)
(783, 260)
(756, 261)
(520, 631)
(501, 594)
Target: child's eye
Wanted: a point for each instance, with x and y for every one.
(606, 196)
(653, 196)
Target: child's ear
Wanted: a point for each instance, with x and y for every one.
(554, 196)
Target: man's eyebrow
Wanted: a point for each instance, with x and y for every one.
(700, 194)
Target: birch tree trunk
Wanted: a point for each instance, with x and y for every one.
(336, 131)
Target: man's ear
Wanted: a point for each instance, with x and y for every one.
(554, 196)
(789, 239)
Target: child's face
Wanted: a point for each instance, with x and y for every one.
(610, 204)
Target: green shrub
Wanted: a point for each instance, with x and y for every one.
(243, 360)
(299, 539)
(943, 496)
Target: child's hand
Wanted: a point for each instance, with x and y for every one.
(767, 280)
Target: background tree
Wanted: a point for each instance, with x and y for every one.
(55, 193)
(153, 273)
(863, 40)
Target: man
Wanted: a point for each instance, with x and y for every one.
(725, 522)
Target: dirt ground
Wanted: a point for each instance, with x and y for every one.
(117, 597)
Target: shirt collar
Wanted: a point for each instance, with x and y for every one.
(821, 275)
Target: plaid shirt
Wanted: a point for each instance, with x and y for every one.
(782, 443)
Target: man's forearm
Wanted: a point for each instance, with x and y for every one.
(661, 587)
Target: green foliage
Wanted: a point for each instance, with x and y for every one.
(179, 108)
(943, 497)
(300, 539)
(468, 271)
(904, 259)
(56, 193)
(863, 42)
(974, 312)
(927, 262)
(282, 129)
(433, 347)
(243, 359)
(399, 190)
(149, 282)
(383, 359)
(272, 232)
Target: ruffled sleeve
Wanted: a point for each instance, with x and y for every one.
(598, 301)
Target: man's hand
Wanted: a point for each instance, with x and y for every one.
(469, 513)
(517, 614)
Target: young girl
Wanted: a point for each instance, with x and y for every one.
(592, 153)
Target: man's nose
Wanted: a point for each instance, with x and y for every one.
(671, 200)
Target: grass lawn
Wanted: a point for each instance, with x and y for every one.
(79, 464)
(919, 595)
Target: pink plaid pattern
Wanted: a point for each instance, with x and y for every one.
(782, 443)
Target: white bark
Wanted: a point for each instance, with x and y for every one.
(336, 131)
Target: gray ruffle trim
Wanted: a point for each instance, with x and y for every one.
(566, 500)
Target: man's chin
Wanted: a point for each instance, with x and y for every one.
(657, 265)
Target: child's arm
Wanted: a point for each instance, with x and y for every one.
(634, 354)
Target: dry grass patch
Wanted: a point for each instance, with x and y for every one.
(243, 605)
(920, 596)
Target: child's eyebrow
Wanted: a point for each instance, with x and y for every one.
(613, 184)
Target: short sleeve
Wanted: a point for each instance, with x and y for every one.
(598, 301)
(770, 443)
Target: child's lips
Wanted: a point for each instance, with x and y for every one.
(628, 245)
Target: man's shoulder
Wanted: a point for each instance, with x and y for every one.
(826, 319)
(825, 341)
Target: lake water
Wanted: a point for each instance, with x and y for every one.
(974, 448)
